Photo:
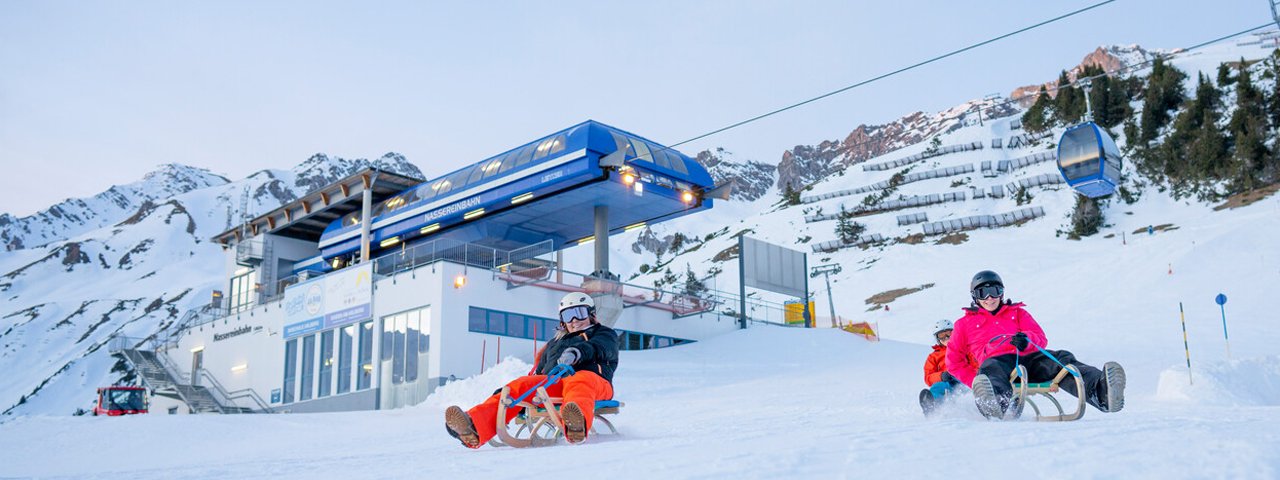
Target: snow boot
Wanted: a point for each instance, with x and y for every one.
(927, 402)
(985, 396)
(575, 423)
(460, 426)
(1115, 386)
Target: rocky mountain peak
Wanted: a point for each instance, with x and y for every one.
(751, 179)
(1111, 58)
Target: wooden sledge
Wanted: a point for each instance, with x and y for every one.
(1024, 391)
(539, 421)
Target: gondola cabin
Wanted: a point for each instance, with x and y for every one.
(1089, 160)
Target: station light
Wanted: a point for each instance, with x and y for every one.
(587, 240)
(198, 349)
(459, 281)
(429, 228)
(686, 197)
(636, 226)
(389, 242)
(628, 179)
(639, 188)
(521, 198)
(239, 368)
(473, 214)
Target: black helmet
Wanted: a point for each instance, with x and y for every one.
(985, 277)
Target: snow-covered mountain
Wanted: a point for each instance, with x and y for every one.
(74, 216)
(132, 276)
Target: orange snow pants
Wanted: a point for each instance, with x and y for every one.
(582, 388)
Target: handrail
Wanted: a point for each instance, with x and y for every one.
(228, 398)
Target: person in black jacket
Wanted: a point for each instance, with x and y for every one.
(582, 343)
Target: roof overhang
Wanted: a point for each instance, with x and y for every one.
(307, 217)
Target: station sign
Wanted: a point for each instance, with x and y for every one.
(339, 298)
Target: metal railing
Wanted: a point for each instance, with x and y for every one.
(227, 399)
(455, 251)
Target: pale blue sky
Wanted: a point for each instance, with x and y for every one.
(99, 93)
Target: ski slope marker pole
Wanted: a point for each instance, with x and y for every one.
(1185, 346)
(483, 345)
(1221, 300)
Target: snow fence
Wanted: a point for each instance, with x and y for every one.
(983, 221)
(911, 218)
(907, 160)
(908, 178)
(833, 245)
(913, 201)
(1038, 180)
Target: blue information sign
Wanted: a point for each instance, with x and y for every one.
(1221, 299)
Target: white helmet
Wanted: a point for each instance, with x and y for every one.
(942, 325)
(575, 299)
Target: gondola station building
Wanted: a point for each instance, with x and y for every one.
(373, 291)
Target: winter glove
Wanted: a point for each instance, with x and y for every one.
(947, 377)
(569, 357)
(1020, 341)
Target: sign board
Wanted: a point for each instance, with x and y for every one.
(774, 268)
(794, 314)
(339, 298)
(1221, 299)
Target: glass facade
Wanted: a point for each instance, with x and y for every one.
(290, 368)
(365, 359)
(326, 364)
(308, 368)
(346, 336)
(483, 320)
(405, 343)
(241, 298)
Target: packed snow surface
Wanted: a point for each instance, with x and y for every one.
(768, 402)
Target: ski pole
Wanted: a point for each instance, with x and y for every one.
(1185, 346)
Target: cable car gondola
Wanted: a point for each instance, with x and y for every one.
(1089, 160)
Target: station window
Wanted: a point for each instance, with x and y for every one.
(643, 153)
(365, 374)
(405, 343)
(290, 368)
(326, 364)
(345, 337)
(483, 320)
(628, 340)
(520, 158)
(676, 161)
(241, 292)
(308, 367)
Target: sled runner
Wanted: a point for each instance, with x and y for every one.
(539, 421)
(1024, 391)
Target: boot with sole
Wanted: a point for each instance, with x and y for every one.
(1115, 386)
(985, 396)
(575, 423)
(460, 426)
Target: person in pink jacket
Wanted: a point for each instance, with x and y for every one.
(996, 334)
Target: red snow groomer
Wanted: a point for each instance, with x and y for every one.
(115, 401)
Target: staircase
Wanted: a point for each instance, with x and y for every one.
(163, 381)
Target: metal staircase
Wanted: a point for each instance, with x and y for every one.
(159, 375)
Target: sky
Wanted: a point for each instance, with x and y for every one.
(94, 94)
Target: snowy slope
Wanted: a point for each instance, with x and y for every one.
(765, 403)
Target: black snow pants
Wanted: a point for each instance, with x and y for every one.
(1041, 368)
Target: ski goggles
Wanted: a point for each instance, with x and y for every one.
(988, 291)
(578, 312)
(943, 336)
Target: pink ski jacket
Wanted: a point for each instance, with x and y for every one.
(971, 341)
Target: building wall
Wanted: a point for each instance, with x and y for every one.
(253, 358)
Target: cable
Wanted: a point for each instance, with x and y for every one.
(1012, 100)
(895, 72)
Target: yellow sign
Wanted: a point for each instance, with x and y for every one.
(794, 314)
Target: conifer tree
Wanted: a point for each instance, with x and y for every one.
(1248, 128)
(1162, 95)
(1036, 119)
